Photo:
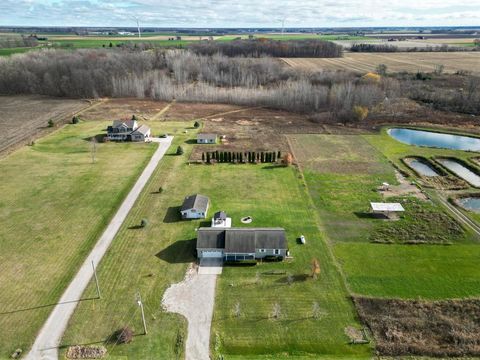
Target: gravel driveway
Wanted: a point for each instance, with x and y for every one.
(48, 339)
(194, 298)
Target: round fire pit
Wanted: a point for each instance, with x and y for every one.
(246, 220)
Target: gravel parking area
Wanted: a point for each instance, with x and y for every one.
(194, 298)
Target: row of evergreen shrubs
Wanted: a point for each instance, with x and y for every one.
(251, 157)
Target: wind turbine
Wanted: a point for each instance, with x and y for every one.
(138, 25)
(283, 24)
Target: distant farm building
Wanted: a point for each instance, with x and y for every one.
(236, 244)
(195, 207)
(206, 138)
(128, 130)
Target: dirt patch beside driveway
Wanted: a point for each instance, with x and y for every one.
(194, 298)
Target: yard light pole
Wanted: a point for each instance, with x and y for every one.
(140, 303)
(96, 280)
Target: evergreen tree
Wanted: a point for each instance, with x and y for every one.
(262, 157)
(208, 158)
(274, 159)
(229, 156)
(234, 157)
(279, 155)
(203, 157)
(216, 155)
(241, 158)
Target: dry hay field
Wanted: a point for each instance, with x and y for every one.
(396, 62)
(26, 117)
(447, 328)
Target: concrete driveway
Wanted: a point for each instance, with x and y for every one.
(194, 298)
(49, 337)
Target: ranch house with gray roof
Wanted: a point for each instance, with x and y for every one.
(233, 244)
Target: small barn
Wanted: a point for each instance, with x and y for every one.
(195, 207)
(206, 138)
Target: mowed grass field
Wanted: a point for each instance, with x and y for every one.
(53, 207)
(396, 62)
(342, 198)
(150, 259)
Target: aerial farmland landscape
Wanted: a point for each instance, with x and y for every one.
(213, 181)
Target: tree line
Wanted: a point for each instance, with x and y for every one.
(189, 77)
(267, 47)
(239, 157)
(18, 41)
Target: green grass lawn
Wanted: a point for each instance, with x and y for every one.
(342, 194)
(11, 51)
(411, 271)
(53, 207)
(151, 259)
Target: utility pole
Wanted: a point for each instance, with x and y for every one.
(96, 280)
(140, 303)
(94, 149)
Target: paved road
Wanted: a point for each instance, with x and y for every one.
(194, 298)
(49, 337)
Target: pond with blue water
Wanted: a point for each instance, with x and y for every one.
(461, 171)
(421, 167)
(434, 139)
(470, 203)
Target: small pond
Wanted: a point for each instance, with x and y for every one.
(421, 167)
(470, 203)
(435, 140)
(461, 171)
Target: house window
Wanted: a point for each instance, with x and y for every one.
(262, 250)
(276, 252)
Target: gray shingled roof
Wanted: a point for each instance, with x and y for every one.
(144, 129)
(128, 123)
(197, 202)
(207, 136)
(241, 240)
(222, 215)
(211, 238)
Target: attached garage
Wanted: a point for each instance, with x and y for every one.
(212, 254)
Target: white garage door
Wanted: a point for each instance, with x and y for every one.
(212, 254)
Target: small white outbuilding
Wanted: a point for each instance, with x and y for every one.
(386, 208)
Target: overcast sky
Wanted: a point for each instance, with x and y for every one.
(240, 13)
